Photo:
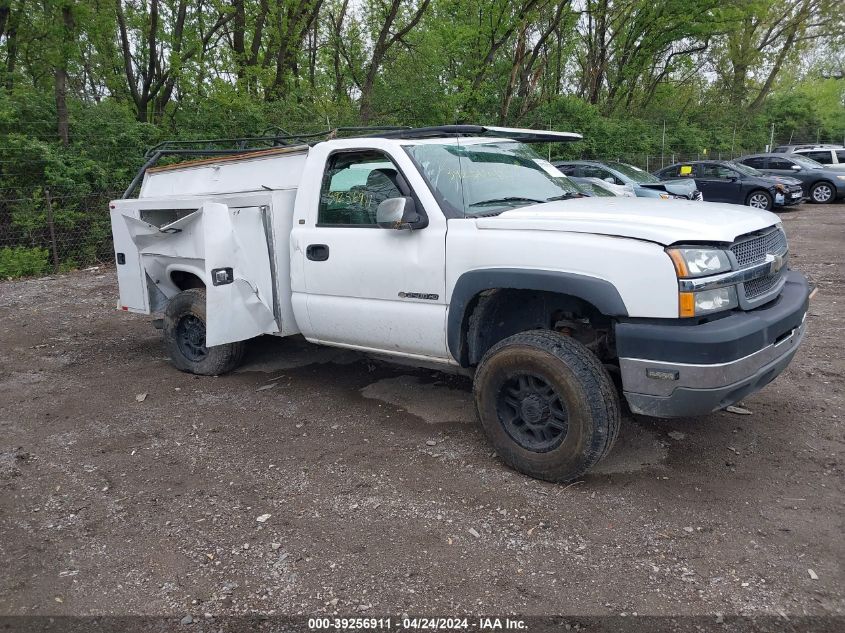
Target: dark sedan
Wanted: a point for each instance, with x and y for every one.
(726, 181)
(821, 185)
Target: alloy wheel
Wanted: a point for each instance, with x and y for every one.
(822, 193)
(759, 201)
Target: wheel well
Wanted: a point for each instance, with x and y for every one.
(184, 280)
(494, 315)
(823, 182)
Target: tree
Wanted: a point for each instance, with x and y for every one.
(158, 43)
(387, 20)
(765, 36)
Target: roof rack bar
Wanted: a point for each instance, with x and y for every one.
(152, 160)
(285, 138)
(521, 134)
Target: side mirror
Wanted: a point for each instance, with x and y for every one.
(398, 213)
(796, 168)
(610, 179)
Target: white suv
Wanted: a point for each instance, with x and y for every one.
(831, 156)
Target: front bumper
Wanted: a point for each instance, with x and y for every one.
(795, 195)
(679, 370)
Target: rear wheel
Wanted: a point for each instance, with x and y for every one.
(822, 193)
(546, 404)
(759, 200)
(184, 337)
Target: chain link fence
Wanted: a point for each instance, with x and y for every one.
(41, 233)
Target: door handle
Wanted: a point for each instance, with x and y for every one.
(317, 252)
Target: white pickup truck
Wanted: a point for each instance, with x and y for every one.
(460, 245)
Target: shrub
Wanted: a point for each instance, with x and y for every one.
(19, 261)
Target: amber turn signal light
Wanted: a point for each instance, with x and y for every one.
(686, 304)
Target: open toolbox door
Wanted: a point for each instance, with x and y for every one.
(131, 277)
(239, 294)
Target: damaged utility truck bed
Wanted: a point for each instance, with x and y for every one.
(460, 245)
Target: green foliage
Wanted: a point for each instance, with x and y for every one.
(20, 261)
(715, 74)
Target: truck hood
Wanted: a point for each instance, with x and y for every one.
(663, 221)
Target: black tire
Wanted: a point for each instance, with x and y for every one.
(823, 193)
(184, 337)
(760, 199)
(546, 404)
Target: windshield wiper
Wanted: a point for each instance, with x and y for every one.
(566, 196)
(506, 200)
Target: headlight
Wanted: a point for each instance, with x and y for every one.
(698, 262)
(707, 301)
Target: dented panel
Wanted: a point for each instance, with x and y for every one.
(204, 237)
(240, 306)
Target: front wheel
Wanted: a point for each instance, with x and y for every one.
(822, 193)
(184, 338)
(546, 404)
(759, 200)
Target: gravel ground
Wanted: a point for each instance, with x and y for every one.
(319, 481)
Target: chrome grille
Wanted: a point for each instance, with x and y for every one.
(761, 285)
(754, 250)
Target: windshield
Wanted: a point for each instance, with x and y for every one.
(745, 169)
(634, 173)
(805, 162)
(476, 179)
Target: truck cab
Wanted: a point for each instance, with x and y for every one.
(461, 246)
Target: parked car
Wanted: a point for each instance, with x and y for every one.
(726, 181)
(821, 184)
(460, 246)
(602, 188)
(644, 184)
(831, 156)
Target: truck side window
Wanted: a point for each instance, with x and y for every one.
(354, 184)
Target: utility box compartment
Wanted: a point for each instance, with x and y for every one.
(227, 246)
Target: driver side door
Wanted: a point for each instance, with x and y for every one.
(718, 183)
(367, 287)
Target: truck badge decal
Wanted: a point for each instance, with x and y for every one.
(418, 295)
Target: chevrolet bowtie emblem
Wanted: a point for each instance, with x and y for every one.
(777, 264)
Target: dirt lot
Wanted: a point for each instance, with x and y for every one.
(382, 495)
